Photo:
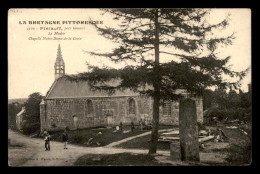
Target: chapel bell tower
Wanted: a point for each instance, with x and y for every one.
(59, 65)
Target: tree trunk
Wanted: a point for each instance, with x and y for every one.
(157, 86)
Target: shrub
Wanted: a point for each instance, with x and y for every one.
(30, 128)
(240, 153)
(77, 139)
(230, 114)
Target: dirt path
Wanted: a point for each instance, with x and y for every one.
(34, 154)
(58, 156)
(133, 137)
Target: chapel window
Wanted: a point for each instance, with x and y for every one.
(167, 108)
(89, 107)
(131, 106)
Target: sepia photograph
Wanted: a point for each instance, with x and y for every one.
(129, 87)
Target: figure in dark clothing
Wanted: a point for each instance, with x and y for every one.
(47, 138)
(65, 139)
(121, 126)
(150, 125)
(141, 124)
(132, 126)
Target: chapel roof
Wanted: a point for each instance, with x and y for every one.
(64, 88)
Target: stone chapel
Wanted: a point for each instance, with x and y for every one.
(73, 105)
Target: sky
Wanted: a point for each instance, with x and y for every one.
(31, 61)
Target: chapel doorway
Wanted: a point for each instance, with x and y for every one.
(109, 121)
(75, 121)
(109, 116)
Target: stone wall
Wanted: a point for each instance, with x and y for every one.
(57, 114)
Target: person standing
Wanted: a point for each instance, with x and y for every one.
(121, 126)
(65, 138)
(141, 124)
(146, 123)
(47, 140)
(132, 126)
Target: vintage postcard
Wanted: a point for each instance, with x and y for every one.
(129, 87)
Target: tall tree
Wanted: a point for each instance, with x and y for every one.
(144, 35)
(233, 99)
(32, 108)
(31, 119)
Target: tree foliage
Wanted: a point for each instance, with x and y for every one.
(32, 113)
(184, 30)
(223, 99)
(144, 36)
(32, 107)
(231, 105)
(13, 109)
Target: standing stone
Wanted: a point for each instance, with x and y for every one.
(175, 152)
(188, 131)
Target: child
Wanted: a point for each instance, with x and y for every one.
(47, 140)
(65, 138)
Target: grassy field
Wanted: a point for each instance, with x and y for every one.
(13, 145)
(240, 146)
(143, 143)
(121, 159)
(239, 149)
(107, 136)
